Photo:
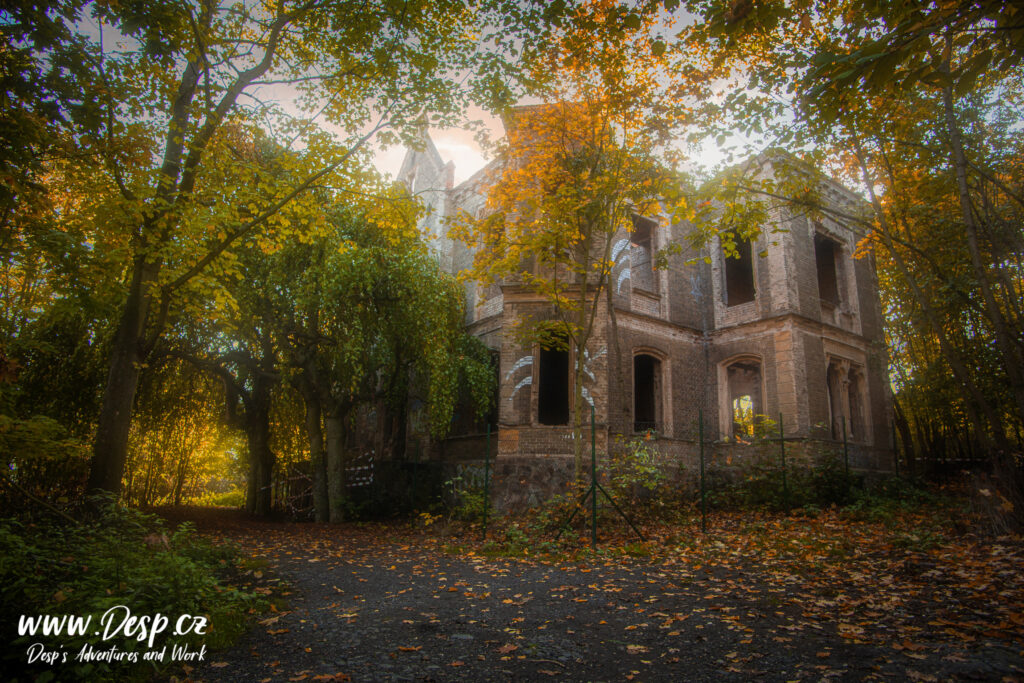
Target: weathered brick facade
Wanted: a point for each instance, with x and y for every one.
(795, 330)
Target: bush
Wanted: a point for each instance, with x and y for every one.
(636, 477)
(466, 498)
(41, 459)
(235, 498)
(887, 499)
(763, 485)
(117, 557)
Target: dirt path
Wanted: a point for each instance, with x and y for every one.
(378, 604)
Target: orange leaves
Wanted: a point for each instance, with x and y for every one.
(907, 646)
(800, 588)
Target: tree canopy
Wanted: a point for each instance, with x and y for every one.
(188, 205)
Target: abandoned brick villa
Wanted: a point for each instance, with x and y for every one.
(793, 328)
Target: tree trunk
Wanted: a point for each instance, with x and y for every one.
(1011, 358)
(315, 434)
(179, 484)
(335, 466)
(620, 372)
(401, 427)
(974, 399)
(908, 442)
(578, 414)
(147, 484)
(577, 373)
(110, 447)
(259, 496)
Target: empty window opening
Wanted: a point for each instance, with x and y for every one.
(744, 397)
(825, 253)
(646, 393)
(641, 255)
(553, 387)
(739, 275)
(847, 391)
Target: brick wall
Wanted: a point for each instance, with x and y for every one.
(685, 324)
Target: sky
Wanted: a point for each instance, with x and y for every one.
(460, 146)
(453, 144)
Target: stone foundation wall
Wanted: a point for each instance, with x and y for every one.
(519, 482)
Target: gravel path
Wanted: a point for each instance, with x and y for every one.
(372, 604)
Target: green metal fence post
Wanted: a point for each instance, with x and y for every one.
(703, 491)
(782, 452)
(487, 480)
(413, 476)
(895, 451)
(593, 480)
(846, 452)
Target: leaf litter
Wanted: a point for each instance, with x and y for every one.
(760, 595)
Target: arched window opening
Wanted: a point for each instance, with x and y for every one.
(553, 385)
(646, 393)
(847, 399)
(743, 379)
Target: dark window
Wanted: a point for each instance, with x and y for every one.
(553, 387)
(825, 251)
(641, 255)
(646, 392)
(739, 275)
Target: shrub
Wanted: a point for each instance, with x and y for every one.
(40, 458)
(466, 497)
(235, 498)
(118, 556)
(635, 475)
(765, 485)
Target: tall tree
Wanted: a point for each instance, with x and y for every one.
(576, 171)
(915, 105)
(162, 84)
(382, 317)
